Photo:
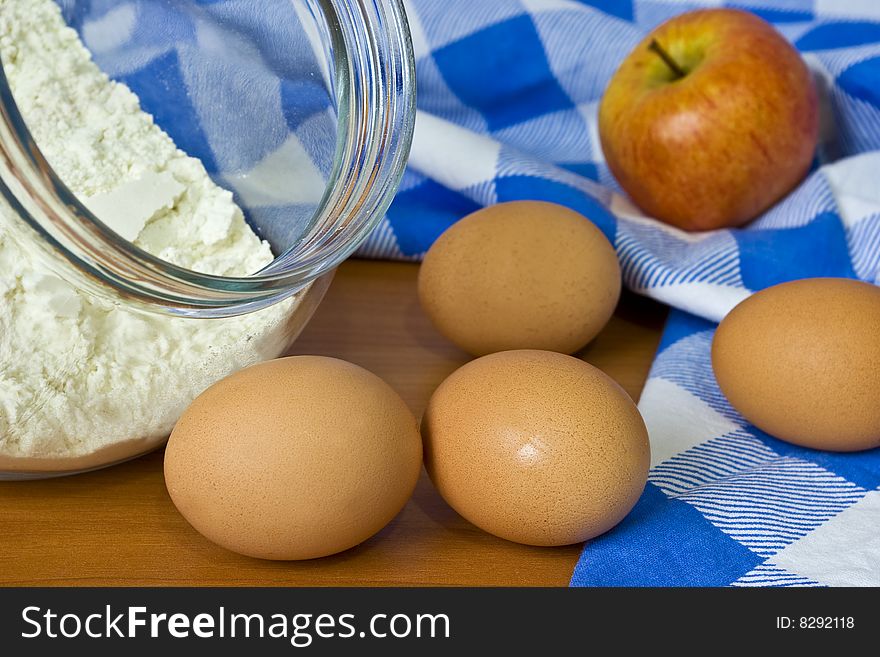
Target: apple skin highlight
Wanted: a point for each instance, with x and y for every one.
(722, 144)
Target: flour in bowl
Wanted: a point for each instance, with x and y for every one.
(84, 382)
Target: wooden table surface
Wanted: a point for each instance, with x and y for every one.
(118, 526)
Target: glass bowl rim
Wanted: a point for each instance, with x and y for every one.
(375, 88)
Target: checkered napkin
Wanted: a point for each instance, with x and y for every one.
(508, 95)
(508, 98)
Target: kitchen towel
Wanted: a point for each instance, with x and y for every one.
(508, 95)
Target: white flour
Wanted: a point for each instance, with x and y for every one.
(79, 376)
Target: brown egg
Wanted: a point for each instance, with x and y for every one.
(536, 447)
(801, 361)
(520, 275)
(295, 458)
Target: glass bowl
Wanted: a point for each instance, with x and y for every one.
(133, 275)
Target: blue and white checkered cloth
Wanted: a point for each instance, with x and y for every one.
(508, 95)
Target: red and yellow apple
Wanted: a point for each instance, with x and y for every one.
(711, 120)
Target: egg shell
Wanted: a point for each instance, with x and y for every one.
(295, 458)
(520, 275)
(536, 447)
(801, 361)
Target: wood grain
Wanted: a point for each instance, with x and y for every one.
(118, 526)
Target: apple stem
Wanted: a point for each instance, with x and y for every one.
(667, 59)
